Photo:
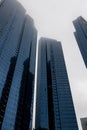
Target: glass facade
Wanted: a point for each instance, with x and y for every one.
(41, 98)
(54, 105)
(81, 36)
(18, 38)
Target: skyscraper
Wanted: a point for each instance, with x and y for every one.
(18, 38)
(84, 123)
(54, 105)
(81, 36)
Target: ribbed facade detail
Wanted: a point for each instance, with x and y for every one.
(54, 104)
(18, 38)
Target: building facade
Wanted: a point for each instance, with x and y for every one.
(84, 123)
(18, 38)
(81, 36)
(54, 105)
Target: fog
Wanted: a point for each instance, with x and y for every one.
(53, 19)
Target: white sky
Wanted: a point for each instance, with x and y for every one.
(53, 18)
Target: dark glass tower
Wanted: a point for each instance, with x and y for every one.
(18, 38)
(81, 36)
(54, 105)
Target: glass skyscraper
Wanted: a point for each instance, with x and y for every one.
(81, 36)
(54, 105)
(18, 38)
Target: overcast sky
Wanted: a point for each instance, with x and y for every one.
(53, 19)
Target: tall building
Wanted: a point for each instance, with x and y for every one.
(18, 38)
(81, 36)
(54, 105)
(84, 123)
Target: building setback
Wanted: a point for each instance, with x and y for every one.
(18, 38)
(81, 36)
(54, 105)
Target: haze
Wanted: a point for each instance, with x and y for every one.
(53, 19)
